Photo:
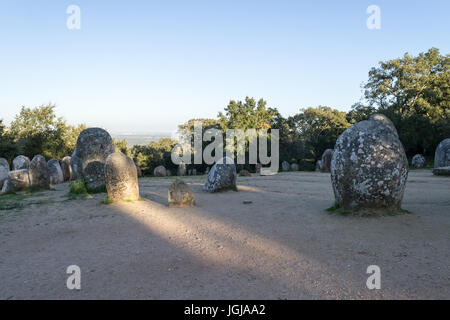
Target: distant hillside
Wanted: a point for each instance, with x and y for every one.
(141, 139)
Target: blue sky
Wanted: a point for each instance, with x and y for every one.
(146, 66)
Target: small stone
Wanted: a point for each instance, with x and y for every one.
(160, 171)
(180, 195)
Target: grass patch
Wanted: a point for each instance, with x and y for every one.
(12, 201)
(235, 188)
(78, 190)
(107, 201)
(99, 189)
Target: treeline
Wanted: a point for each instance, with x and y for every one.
(412, 91)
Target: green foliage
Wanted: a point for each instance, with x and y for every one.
(8, 148)
(39, 131)
(78, 189)
(154, 154)
(414, 92)
(122, 146)
(318, 129)
(107, 201)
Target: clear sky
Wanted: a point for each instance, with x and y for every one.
(146, 66)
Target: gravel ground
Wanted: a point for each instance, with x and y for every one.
(282, 245)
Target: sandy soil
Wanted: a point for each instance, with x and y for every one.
(283, 245)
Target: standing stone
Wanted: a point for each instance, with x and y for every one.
(180, 195)
(285, 166)
(181, 171)
(4, 171)
(319, 165)
(94, 145)
(121, 178)
(55, 172)
(244, 173)
(222, 176)
(66, 169)
(75, 164)
(160, 171)
(369, 167)
(18, 180)
(294, 166)
(442, 171)
(418, 161)
(442, 154)
(138, 169)
(207, 170)
(194, 172)
(21, 162)
(189, 172)
(326, 160)
(258, 167)
(39, 174)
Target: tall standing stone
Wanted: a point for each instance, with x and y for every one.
(66, 169)
(181, 171)
(21, 162)
(325, 164)
(39, 174)
(442, 154)
(55, 172)
(94, 145)
(121, 178)
(369, 167)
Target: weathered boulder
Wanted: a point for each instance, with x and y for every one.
(381, 118)
(244, 173)
(180, 195)
(442, 171)
(181, 171)
(294, 166)
(319, 165)
(121, 178)
(138, 169)
(18, 180)
(418, 161)
(325, 163)
(160, 171)
(94, 145)
(66, 169)
(75, 164)
(369, 167)
(4, 170)
(285, 166)
(442, 154)
(39, 174)
(21, 162)
(55, 172)
(222, 176)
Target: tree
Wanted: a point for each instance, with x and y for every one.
(39, 131)
(8, 148)
(154, 154)
(319, 128)
(414, 92)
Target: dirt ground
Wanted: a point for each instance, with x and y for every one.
(283, 245)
